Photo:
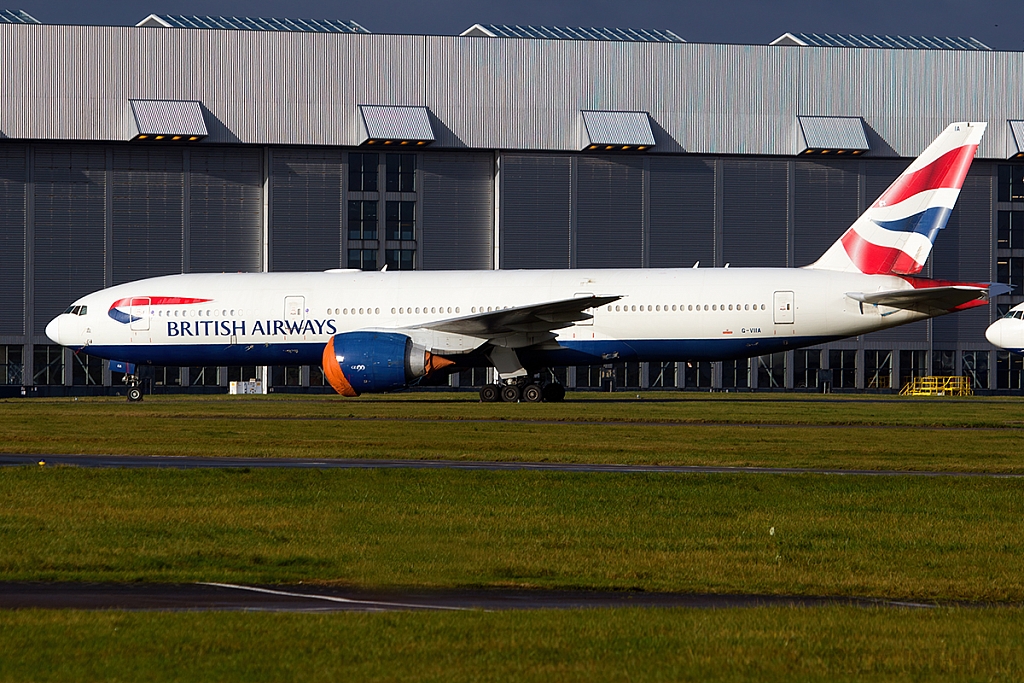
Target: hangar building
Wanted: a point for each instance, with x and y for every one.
(206, 144)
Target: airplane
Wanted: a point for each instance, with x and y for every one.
(1008, 332)
(382, 331)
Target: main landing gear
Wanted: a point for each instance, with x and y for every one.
(528, 389)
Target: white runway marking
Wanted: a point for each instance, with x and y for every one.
(332, 598)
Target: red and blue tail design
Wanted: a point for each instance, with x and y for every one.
(895, 235)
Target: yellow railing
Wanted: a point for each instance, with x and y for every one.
(938, 386)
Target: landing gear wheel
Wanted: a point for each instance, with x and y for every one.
(554, 393)
(490, 393)
(510, 393)
(134, 394)
(532, 393)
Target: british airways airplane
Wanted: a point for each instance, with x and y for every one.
(1008, 332)
(381, 331)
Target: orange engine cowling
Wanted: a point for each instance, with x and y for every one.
(358, 362)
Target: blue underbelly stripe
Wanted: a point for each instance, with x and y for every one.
(573, 352)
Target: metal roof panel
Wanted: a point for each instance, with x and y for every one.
(388, 122)
(16, 16)
(632, 35)
(168, 117)
(618, 128)
(833, 132)
(254, 23)
(880, 41)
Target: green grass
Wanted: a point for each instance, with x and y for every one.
(981, 434)
(830, 644)
(911, 538)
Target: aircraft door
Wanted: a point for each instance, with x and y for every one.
(138, 309)
(784, 307)
(295, 308)
(584, 295)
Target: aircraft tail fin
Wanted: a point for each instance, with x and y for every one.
(895, 235)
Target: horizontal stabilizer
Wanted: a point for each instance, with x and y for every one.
(543, 317)
(926, 299)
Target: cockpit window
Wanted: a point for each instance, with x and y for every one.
(1019, 315)
(70, 310)
(76, 310)
(83, 310)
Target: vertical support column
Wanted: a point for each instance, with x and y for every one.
(896, 370)
(573, 211)
(304, 376)
(496, 232)
(69, 369)
(645, 231)
(680, 375)
(790, 370)
(186, 232)
(719, 231)
(645, 375)
(858, 363)
(790, 228)
(28, 354)
(108, 222)
(570, 377)
(265, 207)
(753, 365)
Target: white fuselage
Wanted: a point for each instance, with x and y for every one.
(663, 314)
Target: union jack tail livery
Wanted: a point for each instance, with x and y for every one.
(895, 235)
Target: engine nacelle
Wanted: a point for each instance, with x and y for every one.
(357, 362)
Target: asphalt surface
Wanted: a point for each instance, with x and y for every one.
(196, 462)
(301, 598)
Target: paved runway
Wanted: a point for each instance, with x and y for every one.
(194, 462)
(302, 598)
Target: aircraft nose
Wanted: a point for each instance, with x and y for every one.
(53, 330)
(994, 333)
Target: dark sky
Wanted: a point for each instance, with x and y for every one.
(998, 24)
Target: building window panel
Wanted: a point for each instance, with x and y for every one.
(771, 371)
(86, 370)
(806, 366)
(1011, 230)
(843, 364)
(12, 364)
(661, 375)
(1010, 271)
(48, 364)
(362, 172)
(401, 259)
(877, 369)
(362, 259)
(362, 219)
(1009, 371)
(975, 366)
(401, 172)
(400, 219)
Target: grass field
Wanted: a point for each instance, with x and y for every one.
(926, 539)
(910, 538)
(829, 644)
(980, 434)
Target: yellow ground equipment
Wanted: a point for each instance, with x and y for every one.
(938, 386)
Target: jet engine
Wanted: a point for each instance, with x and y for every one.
(357, 362)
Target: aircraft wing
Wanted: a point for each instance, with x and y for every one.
(543, 317)
(925, 299)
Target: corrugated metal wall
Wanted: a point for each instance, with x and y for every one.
(535, 219)
(457, 211)
(13, 172)
(682, 212)
(74, 82)
(305, 221)
(70, 217)
(610, 206)
(148, 213)
(225, 210)
(825, 203)
(755, 213)
(963, 251)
